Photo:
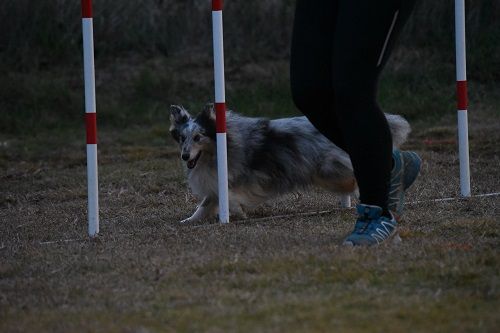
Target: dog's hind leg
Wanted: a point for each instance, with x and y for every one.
(237, 210)
(205, 210)
(335, 174)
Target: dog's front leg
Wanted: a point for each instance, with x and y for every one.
(206, 209)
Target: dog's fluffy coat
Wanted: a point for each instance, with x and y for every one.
(266, 158)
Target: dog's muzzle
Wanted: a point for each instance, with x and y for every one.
(192, 162)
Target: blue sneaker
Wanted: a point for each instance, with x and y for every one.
(404, 172)
(371, 227)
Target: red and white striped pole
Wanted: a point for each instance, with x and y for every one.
(463, 131)
(90, 117)
(220, 110)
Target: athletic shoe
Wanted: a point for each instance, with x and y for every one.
(371, 227)
(412, 164)
(404, 172)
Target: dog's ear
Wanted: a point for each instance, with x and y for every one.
(178, 115)
(174, 133)
(209, 111)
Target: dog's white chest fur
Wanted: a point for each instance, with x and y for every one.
(203, 179)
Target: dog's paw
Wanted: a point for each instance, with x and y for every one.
(186, 221)
(241, 215)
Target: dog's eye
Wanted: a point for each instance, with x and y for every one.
(197, 138)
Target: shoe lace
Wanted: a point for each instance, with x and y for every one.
(362, 224)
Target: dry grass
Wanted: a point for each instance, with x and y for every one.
(146, 273)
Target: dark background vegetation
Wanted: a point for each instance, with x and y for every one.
(152, 53)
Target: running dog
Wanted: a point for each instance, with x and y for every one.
(266, 158)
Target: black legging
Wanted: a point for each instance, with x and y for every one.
(338, 50)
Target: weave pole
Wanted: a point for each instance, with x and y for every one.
(220, 111)
(90, 117)
(463, 131)
(345, 201)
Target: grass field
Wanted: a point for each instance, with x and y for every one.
(278, 271)
(147, 273)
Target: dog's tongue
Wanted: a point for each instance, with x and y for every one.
(191, 164)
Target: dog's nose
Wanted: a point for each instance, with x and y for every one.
(185, 156)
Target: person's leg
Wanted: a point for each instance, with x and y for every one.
(338, 50)
(363, 40)
(364, 35)
(311, 65)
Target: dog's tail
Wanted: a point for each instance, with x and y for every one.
(400, 129)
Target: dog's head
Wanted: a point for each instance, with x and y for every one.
(196, 136)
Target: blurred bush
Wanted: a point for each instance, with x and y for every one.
(39, 34)
(152, 53)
